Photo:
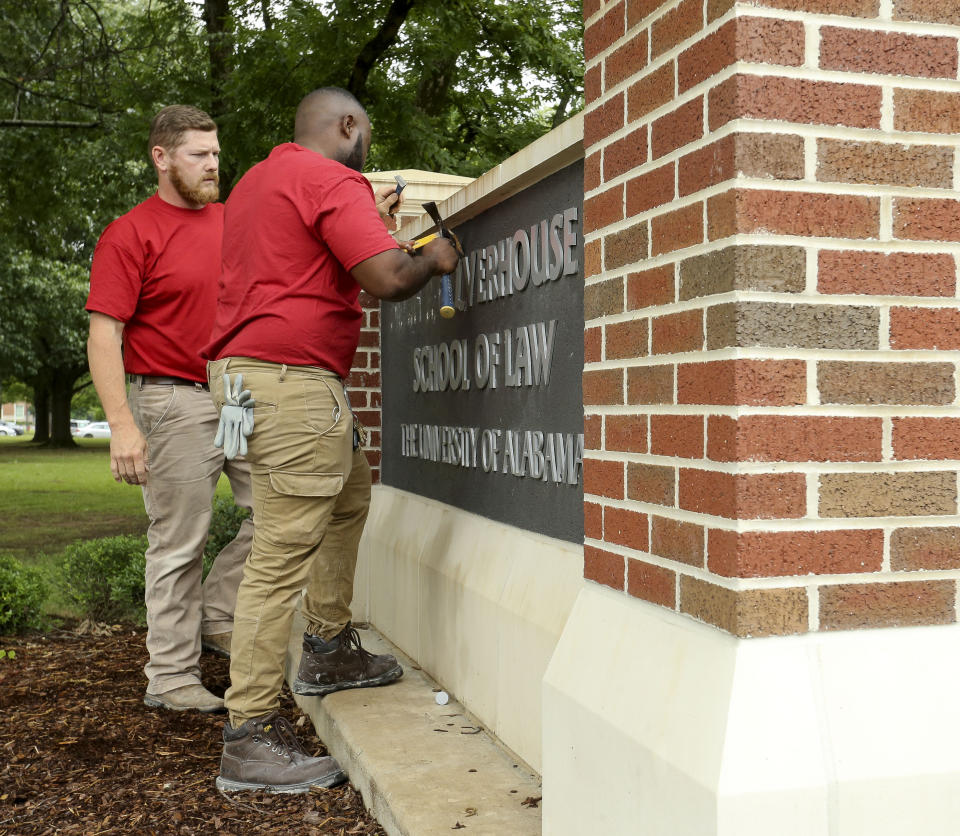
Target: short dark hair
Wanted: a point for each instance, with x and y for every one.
(171, 123)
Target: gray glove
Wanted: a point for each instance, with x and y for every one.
(236, 418)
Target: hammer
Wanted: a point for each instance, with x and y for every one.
(446, 285)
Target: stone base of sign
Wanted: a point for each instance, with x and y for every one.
(656, 724)
(479, 605)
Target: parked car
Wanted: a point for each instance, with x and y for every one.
(98, 429)
(12, 429)
(77, 424)
(6, 429)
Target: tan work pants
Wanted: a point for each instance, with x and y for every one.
(179, 423)
(311, 494)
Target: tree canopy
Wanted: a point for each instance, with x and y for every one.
(450, 85)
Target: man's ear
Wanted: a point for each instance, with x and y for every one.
(347, 125)
(161, 159)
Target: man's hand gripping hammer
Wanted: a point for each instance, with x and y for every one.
(446, 284)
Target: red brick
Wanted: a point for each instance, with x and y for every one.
(637, 10)
(655, 188)
(592, 174)
(677, 230)
(919, 219)
(718, 8)
(593, 258)
(592, 345)
(603, 120)
(892, 53)
(602, 34)
(591, 7)
(625, 155)
(793, 438)
(849, 8)
(764, 554)
(872, 605)
(755, 39)
(627, 60)
(794, 100)
(625, 528)
(593, 83)
(604, 386)
(925, 328)
(744, 496)
(651, 287)
(927, 11)
(926, 438)
(808, 214)
(627, 433)
(676, 26)
(592, 431)
(722, 215)
(364, 380)
(678, 332)
(651, 483)
(933, 548)
(651, 583)
(677, 435)
(926, 111)
(706, 166)
(593, 520)
(627, 339)
(650, 384)
(886, 274)
(603, 567)
(676, 129)
(603, 209)
(677, 540)
(650, 92)
(743, 382)
(602, 478)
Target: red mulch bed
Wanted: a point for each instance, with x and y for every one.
(80, 752)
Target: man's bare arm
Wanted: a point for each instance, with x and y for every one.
(128, 447)
(397, 275)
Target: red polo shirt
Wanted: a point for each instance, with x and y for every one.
(155, 269)
(295, 225)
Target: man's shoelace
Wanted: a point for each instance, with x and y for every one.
(351, 638)
(279, 733)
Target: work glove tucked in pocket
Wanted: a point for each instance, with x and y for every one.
(236, 418)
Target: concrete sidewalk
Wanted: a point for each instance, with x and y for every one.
(422, 768)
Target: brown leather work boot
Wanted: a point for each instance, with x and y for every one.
(217, 643)
(264, 754)
(341, 663)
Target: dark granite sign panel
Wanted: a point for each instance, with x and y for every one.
(484, 411)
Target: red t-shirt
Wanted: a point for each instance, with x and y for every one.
(295, 225)
(155, 269)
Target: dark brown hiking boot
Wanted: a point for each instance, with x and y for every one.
(341, 663)
(264, 754)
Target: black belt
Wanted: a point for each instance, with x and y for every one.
(140, 379)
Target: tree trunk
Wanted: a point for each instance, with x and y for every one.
(374, 49)
(61, 394)
(41, 408)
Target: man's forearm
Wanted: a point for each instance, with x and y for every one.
(105, 356)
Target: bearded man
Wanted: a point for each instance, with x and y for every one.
(153, 297)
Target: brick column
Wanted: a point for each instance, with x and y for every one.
(364, 382)
(772, 320)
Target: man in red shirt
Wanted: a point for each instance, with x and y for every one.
(302, 237)
(153, 293)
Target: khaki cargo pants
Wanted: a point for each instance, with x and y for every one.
(311, 494)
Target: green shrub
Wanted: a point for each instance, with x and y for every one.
(104, 579)
(224, 525)
(22, 593)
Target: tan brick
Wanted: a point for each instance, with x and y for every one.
(650, 384)
(627, 339)
(651, 583)
(650, 287)
(875, 605)
(850, 8)
(625, 528)
(603, 120)
(676, 435)
(676, 26)
(886, 274)
(626, 247)
(677, 230)
(604, 386)
(772, 156)
(743, 496)
(769, 268)
(651, 483)
(650, 92)
(794, 438)
(718, 8)
(767, 554)
(926, 111)
(841, 161)
(626, 61)
(794, 100)
(925, 328)
(886, 383)
(887, 494)
(919, 219)
(892, 53)
(593, 258)
(743, 382)
(627, 433)
(654, 188)
(775, 325)
(722, 215)
(603, 478)
(678, 332)
(935, 548)
(926, 438)
(625, 155)
(753, 612)
(927, 11)
(602, 299)
(676, 540)
(603, 567)
(677, 128)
